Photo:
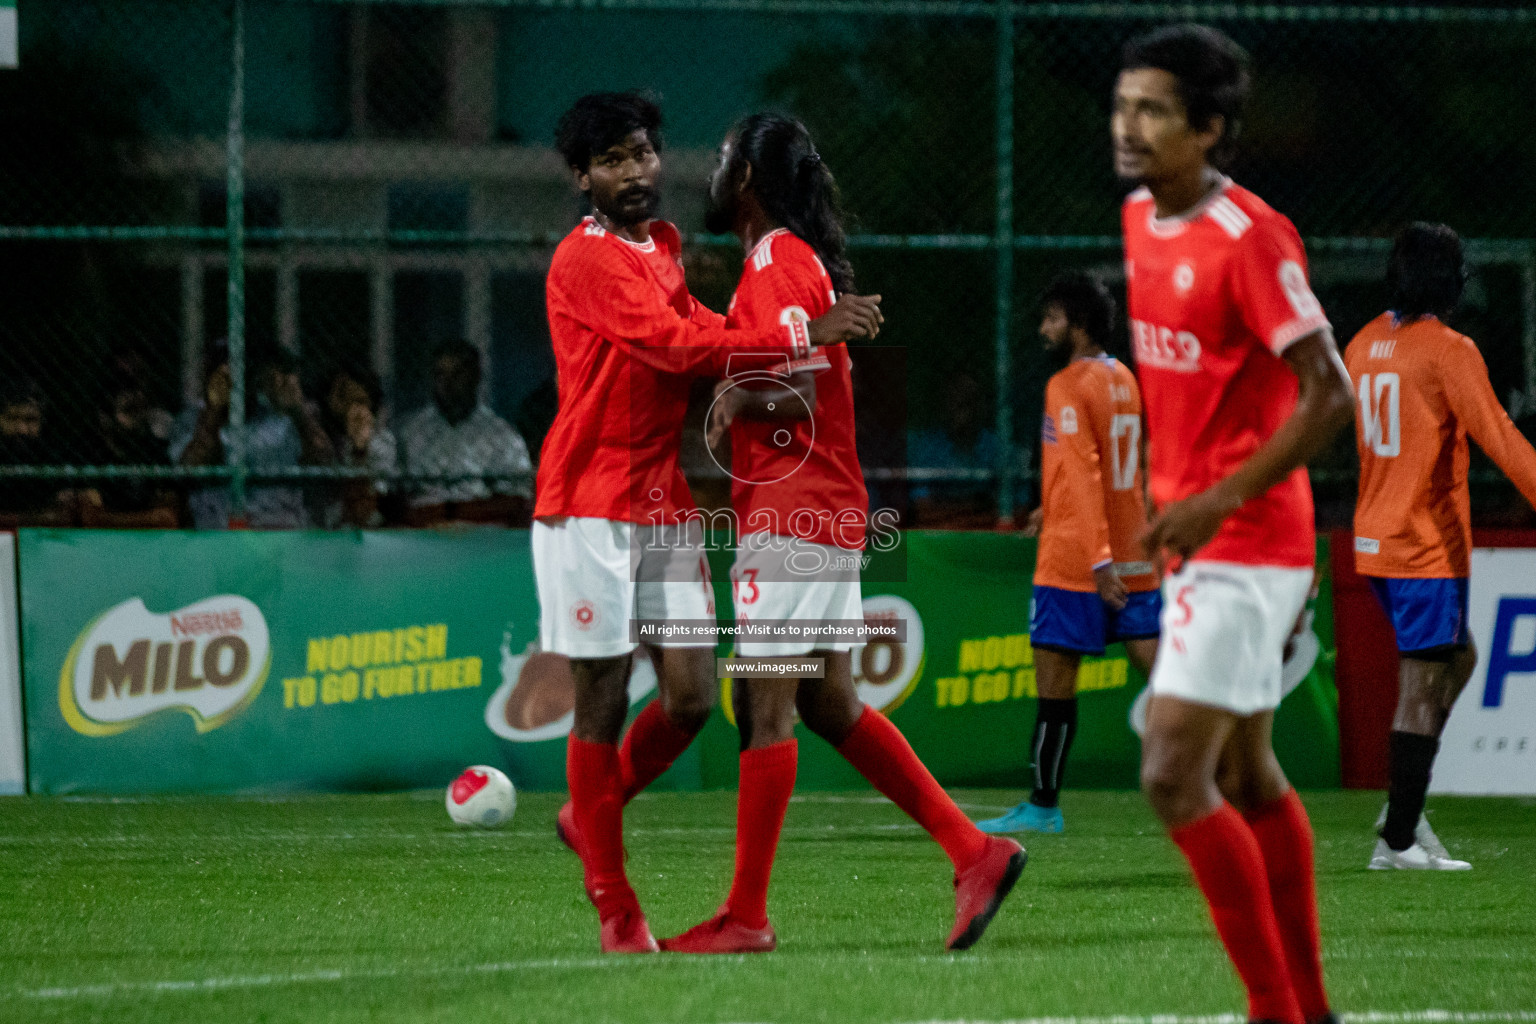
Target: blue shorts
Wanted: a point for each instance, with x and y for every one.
(1428, 615)
(1079, 623)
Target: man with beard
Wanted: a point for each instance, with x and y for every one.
(1093, 583)
(616, 546)
(801, 509)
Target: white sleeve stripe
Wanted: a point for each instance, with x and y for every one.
(1235, 211)
(1287, 334)
(799, 338)
(1232, 220)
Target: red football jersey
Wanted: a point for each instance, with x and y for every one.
(1216, 295)
(628, 338)
(796, 478)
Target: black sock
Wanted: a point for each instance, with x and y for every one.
(1412, 756)
(1055, 725)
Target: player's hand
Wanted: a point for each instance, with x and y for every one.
(1033, 522)
(1187, 526)
(1111, 588)
(853, 317)
(721, 414)
(217, 393)
(359, 427)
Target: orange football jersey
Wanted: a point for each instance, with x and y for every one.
(1420, 389)
(1092, 493)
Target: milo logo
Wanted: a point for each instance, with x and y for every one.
(886, 672)
(208, 659)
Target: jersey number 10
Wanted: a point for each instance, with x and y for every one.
(1123, 463)
(1379, 413)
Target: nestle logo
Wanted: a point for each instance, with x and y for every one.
(201, 623)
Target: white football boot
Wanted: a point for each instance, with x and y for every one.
(1426, 854)
(1415, 858)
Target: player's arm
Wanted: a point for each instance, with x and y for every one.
(703, 315)
(1324, 406)
(1471, 397)
(781, 293)
(791, 399)
(612, 299)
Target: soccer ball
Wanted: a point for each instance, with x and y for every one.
(482, 796)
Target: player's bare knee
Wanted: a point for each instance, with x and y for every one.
(829, 711)
(770, 723)
(602, 698)
(686, 708)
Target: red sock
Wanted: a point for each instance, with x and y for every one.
(651, 745)
(592, 772)
(883, 756)
(1285, 839)
(767, 779)
(1229, 869)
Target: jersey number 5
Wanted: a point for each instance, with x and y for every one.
(1379, 413)
(1123, 463)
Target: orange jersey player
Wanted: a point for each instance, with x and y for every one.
(1422, 390)
(1094, 585)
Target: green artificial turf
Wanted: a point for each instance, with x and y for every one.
(376, 908)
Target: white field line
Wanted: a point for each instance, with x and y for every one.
(257, 981)
(1363, 1017)
(480, 835)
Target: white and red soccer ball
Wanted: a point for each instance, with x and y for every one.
(481, 796)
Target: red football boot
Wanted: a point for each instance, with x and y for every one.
(565, 827)
(625, 931)
(981, 888)
(723, 934)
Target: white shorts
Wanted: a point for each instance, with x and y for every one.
(1224, 628)
(595, 575)
(779, 578)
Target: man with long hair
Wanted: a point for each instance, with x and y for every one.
(801, 510)
(1423, 388)
(627, 338)
(1242, 384)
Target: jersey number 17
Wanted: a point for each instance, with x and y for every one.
(1123, 463)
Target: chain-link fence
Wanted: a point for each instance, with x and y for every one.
(241, 235)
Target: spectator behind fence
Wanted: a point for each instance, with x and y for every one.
(132, 432)
(25, 440)
(353, 397)
(458, 436)
(282, 431)
(961, 441)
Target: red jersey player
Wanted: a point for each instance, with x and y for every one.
(800, 503)
(1242, 384)
(626, 337)
(1093, 583)
(1423, 389)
